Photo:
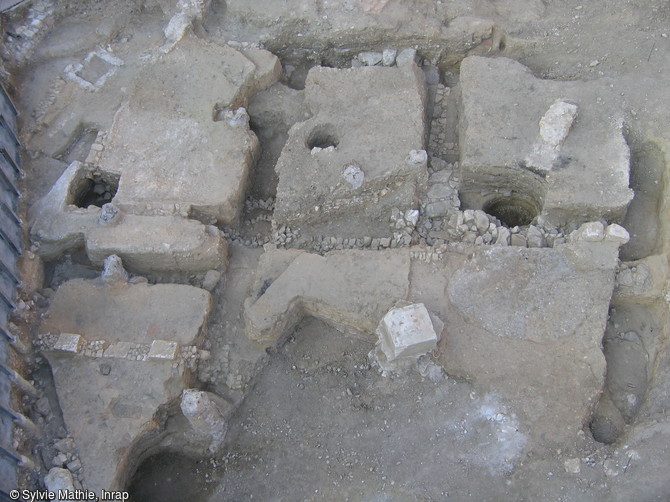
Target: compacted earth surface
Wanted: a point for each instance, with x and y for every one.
(382, 250)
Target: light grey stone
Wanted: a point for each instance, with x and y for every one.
(439, 191)
(481, 221)
(59, 479)
(616, 233)
(406, 56)
(163, 349)
(437, 209)
(113, 270)
(69, 342)
(518, 240)
(370, 58)
(212, 278)
(353, 175)
(388, 56)
(208, 415)
(109, 214)
(412, 217)
(535, 237)
(593, 231)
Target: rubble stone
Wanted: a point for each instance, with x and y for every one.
(208, 415)
(616, 233)
(370, 58)
(59, 480)
(211, 280)
(406, 56)
(593, 231)
(113, 270)
(388, 56)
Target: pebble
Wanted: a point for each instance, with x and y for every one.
(572, 465)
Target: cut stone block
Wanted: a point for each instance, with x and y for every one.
(163, 349)
(69, 342)
(353, 154)
(407, 332)
(268, 69)
(353, 288)
(118, 350)
(145, 243)
(192, 80)
(158, 243)
(200, 166)
(138, 313)
(504, 113)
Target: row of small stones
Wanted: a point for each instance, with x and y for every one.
(470, 227)
(188, 354)
(97, 148)
(438, 137)
(459, 228)
(30, 34)
(42, 108)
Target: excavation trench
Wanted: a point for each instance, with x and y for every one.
(315, 416)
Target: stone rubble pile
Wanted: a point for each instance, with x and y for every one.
(438, 144)
(67, 471)
(388, 57)
(40, 18)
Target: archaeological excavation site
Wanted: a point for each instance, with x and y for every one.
(335, 250)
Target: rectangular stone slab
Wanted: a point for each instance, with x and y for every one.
(139, 313)
(158, 243)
